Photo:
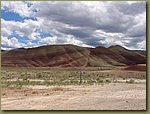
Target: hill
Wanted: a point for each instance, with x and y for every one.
(71, 56)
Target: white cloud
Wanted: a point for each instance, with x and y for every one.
(48, 40)
(100, 33)
(65, 18)
(131, 2)
(5, 32)
(25, 28)
(11, 43)
(21, 34)
(71, 40)
(142, 45)
(137, 30)
(85, 23)
(17, 7)
(34, 35)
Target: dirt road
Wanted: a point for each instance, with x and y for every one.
(113, 96)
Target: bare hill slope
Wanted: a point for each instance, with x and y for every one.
(71, 56)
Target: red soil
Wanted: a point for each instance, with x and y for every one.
(136, 68)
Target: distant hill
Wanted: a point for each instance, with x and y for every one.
(140, 51)
(71, 56)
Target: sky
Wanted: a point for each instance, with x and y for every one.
(27, 24)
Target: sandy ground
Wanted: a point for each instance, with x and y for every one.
(113, 96)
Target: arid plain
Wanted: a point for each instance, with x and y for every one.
(70, 89)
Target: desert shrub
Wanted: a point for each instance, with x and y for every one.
(115, 81)
(46, 82)
(19, 84)
(99, 80)
(34, 92)
(38, 75)
(74, 82)
(57, 89)
(25, 79)
(26, 82)
(123, 78)
(90, 82)
(35, 83)
(6, 83)
(130, 81)
(108, 81)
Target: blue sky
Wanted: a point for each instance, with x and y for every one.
(31, 24)
(9, 16)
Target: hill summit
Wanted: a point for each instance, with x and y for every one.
(72, 56)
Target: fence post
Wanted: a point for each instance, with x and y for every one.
(80, 77)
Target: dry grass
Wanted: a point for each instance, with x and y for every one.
(20, 77)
